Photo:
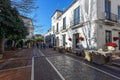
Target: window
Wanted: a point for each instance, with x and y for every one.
(119, 12)
(57, 27)
(108, 36)
(77, 16)
(64, 42)
(64, 23)
(108, 8)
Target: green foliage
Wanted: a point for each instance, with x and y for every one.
(11, 25)
(20, 44)
(29, 41)
(39, 39)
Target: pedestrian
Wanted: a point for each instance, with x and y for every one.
(37, 45)
(44, 45)
(40, 45)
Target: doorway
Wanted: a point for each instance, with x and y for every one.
(75, 40)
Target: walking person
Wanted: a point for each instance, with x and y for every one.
(37, 45)
(44, 45)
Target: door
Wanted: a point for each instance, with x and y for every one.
(57, 41)
(75, 40)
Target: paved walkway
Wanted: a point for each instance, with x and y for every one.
(18, 67)
(51, 65)
(70, 68)
(42, 68)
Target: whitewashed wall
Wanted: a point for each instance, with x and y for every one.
(101, 7)
(28, 23)
(92, 31)
(101, 27)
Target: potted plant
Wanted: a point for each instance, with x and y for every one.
(115, 38)
(70, 39)
(81, 38)
(111, 46)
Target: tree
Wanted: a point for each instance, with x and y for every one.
(11, 25)
(24, 6)
(39, 39)
(5, 21)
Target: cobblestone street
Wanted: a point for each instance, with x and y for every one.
(47, 64)
(70, 68)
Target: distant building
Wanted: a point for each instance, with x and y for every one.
(29, 24)
(38, 36)
(49, 38)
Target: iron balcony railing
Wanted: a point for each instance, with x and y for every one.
(111, 17)
(75, 21)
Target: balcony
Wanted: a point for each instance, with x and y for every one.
(110, 18)
(64, 30)
(75, 23)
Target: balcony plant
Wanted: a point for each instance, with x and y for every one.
(81, 38)
(111, 46)
(115, 38)
(70, 39)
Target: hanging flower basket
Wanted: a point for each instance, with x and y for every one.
(115, 38)
(70, 39)
(111, 44)
(81, 38)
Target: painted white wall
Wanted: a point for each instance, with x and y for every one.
(90, 10)
(101, 7)
(101, 28)
(28, 23)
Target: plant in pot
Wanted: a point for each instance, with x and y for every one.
(111, 46)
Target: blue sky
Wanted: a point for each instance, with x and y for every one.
(45, 11)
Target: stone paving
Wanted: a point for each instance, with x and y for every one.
(78, 69)
(44, 71)
(18, 67)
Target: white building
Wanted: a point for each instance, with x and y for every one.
(97, 21)
(28, 23)
(49, 38)
(38, 36)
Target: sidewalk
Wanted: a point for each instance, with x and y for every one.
(18, 67)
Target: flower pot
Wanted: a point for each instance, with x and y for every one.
(110, 48)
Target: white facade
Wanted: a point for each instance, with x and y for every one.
(93, 24)
(28, 23)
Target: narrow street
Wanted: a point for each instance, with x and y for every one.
(51, 65)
